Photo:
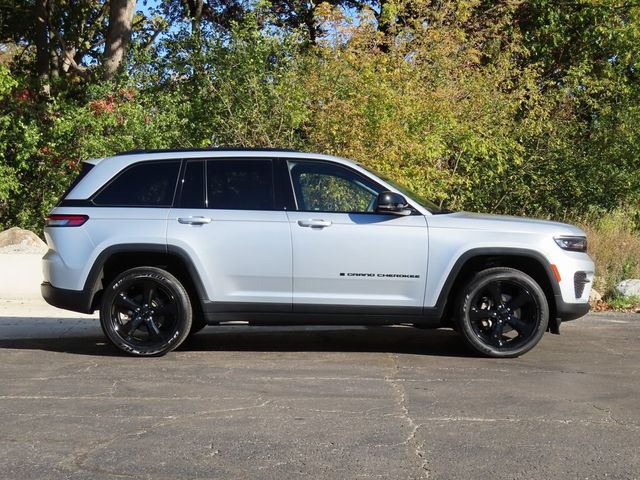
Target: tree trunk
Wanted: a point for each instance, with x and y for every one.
(310, 23)
(42, 46)
(195, 12)
(68, 55)
(54, 63)
(118, 36)
(385, 26)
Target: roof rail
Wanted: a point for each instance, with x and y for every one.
(205, 149)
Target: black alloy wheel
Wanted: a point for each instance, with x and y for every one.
(502, 312)
(146, 311)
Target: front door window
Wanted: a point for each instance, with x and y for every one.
(322, 187)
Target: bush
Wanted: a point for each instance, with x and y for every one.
(614, 245)
(43, 144)
(461, 113)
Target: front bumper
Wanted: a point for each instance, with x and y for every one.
(74, 300)
(570, 311)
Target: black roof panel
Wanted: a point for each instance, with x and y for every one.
(206, 149)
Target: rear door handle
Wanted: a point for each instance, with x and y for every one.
(314, 223)
(194, 220)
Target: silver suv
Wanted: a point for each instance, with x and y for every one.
(164, 243)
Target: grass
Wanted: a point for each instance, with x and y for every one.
(618, 302)
(614, 245)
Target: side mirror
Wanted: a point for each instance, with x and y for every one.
(391, 202)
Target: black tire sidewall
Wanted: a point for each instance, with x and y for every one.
(167, 281)
(478, 282)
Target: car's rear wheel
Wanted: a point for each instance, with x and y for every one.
(502, 312)
(146, 311)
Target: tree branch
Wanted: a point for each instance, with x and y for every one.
(68, 55)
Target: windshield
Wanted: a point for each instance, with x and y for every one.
(425, 203)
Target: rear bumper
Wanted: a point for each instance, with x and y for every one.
(570, 311)
(74, 300)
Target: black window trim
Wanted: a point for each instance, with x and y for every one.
(91, 199)
(285, 198)
(279, 204)
(177, 201)
(283, 190)
(205, 182)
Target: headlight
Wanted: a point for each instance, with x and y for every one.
(574, 244)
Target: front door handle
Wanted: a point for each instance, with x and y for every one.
(314, 223)
(194, 220)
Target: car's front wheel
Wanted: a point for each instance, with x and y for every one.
(146, 311)
(502, 312)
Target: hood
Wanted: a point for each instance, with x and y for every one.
(502, 223)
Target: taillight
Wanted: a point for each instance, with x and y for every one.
(66, 220)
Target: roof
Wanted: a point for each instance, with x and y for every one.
(204, 149)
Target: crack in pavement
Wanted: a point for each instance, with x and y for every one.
(400, 394)
(610, 418)
(534, 420)
(80, 456)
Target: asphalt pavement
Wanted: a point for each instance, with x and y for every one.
(278, 403)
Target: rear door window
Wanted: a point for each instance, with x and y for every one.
(193, 191)
(240, 184)
(146, 184)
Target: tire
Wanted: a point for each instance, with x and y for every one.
(502, 312)
(146, 311)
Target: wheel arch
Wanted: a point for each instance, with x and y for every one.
(118, 258)
(531, 262)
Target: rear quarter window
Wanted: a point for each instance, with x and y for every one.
(86, 168)
(146, 184)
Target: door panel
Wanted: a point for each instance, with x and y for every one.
(229, 225)
(346, 254)
(358, 259)
(241, 256)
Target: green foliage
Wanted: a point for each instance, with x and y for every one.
(334, 194)
(623, 303)
(7, 82)
(7, 176)
(614, 245)
(507, 107)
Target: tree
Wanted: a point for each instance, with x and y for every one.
(219, 15)
(54, 40)
(118, 36)
(42, 44)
